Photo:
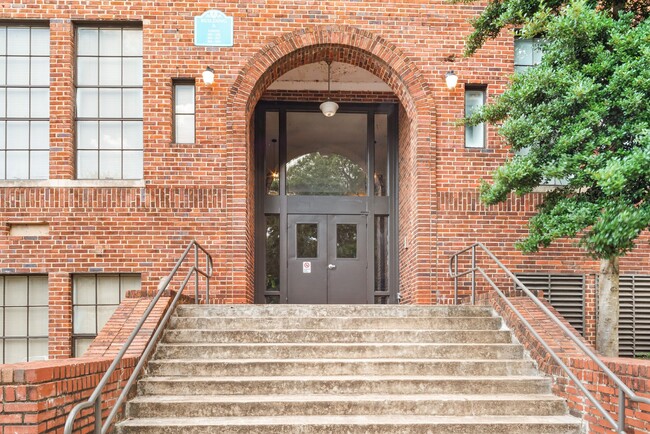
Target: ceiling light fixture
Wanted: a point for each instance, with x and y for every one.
(329, 107)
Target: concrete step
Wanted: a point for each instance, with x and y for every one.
(339, 351)
(335, 336)
(337, 323)
(300, 367)
(369, 424)
(331, 310)
(346, 384)
(314, 405)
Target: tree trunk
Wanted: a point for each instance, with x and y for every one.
(607, 323)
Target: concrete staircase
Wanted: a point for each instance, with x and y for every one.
(342, 369)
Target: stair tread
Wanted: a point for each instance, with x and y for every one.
(339, 361)
(337, 344)
(351, 378)
(396, 419)
(341, 398)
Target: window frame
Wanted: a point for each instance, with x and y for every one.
(98, 118)
(3, 306)
(183, 82)
(4, 149)
(80, 336)
(475, 88)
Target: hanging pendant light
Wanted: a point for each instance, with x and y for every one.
(329, 107)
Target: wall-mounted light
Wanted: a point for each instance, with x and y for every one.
(208, 75)
(329, 107)
(451, 79)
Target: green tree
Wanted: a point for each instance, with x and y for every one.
(325, 175)
(583, 116)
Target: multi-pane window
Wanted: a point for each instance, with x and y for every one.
(24, 102)
(474, 100)
(95, 298)
(528, 53)
(23, 318)
(184, 111)
(109, 103)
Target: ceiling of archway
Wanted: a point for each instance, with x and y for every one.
(345, 77)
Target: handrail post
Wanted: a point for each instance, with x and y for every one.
(621, 411)
(456, 279)
(473, 274)
(98, 414)
(196, 274)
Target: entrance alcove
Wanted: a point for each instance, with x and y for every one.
(307, 225)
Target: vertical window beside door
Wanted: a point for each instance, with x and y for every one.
(474, 100)
(109, 103)
(184, 111)
(24, 102)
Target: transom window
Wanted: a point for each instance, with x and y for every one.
(95, 297)
(109, 103)
(23, 318)
(24, 102)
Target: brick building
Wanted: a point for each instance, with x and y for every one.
(115, 153)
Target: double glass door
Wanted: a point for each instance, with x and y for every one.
(324, 204)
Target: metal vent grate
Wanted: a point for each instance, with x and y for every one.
(565, 292)
(634, 322)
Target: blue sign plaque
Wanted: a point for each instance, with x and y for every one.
(213, 29)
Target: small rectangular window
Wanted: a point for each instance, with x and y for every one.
(95, 297)
(23, 318)
(184, 111)
(474, 100)
(528, 53)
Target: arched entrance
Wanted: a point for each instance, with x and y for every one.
(416, 151)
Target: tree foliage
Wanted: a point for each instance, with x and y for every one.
(532, 16)
(582, 116)
(325, 174)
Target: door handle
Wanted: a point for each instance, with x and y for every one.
(331, 266)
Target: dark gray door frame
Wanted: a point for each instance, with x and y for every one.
(283, 205)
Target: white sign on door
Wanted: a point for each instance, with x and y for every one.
(306, 267)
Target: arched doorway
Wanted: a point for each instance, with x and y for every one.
(326, 201)
(416, 152)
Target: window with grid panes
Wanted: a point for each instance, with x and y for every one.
(95, 297)
(24, 102)
(109, 103)
(23, 318)
(184, 111)
(474, 101)
(528, 53)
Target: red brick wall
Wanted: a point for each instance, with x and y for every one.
(634, 373)
(205, 190)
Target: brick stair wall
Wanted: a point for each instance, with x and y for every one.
(634, 372)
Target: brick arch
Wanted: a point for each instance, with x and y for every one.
(363, 49)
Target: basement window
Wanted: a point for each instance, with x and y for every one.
(95, 297)
(23, 318)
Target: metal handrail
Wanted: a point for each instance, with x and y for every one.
(95, 399)
(623, 390)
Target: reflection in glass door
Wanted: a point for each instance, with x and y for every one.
(309, 166)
